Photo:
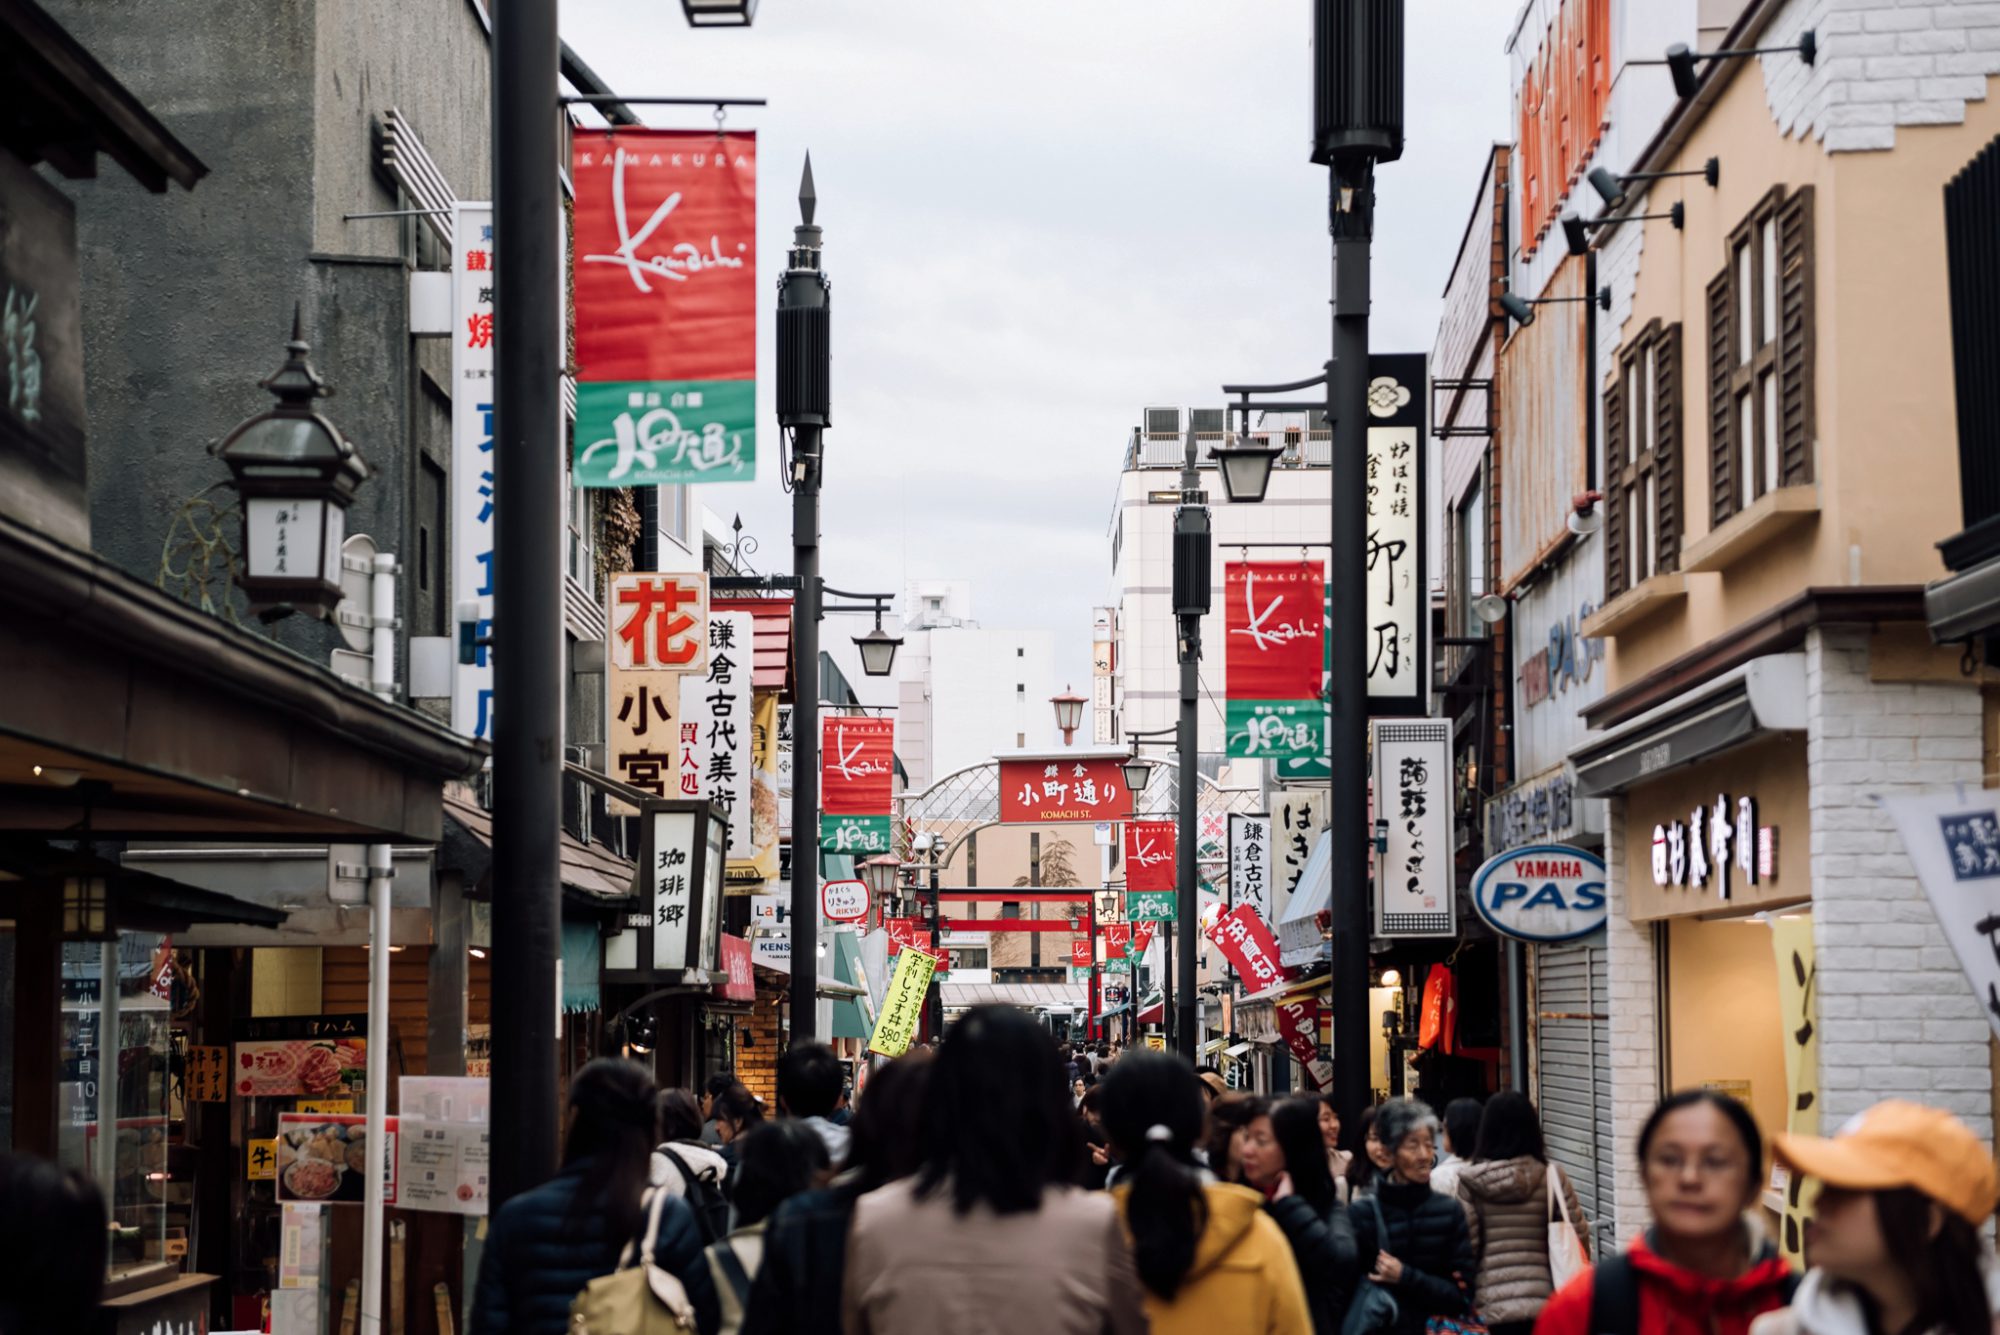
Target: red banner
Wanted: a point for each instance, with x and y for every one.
(666, 255)
(1275, 624)
(1298, 1022)
(907, 932)
(1117, 939)
(1079, 953)
(1247, 942)
(1142, 935)
(737, 963)
(857, 765)
(1038, 792)
(1149, 855)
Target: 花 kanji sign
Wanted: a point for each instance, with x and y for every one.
(1275, 628)
(1036, 792)
(1149, 855)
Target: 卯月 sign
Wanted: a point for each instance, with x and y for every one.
(1394, 636)
(1413, 875)
(1043, 791)
(1545, 892)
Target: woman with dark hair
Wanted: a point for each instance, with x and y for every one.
(1222, 1144)
(1461, 1135)
(805, 1244)
(1507, 1188)
(1703, 1265)
(1412, 1241)
(1208, 1257)
(1284, 1156)
(735, 1111)
(1337, 1159)
(1895, 1235)
(545, 1245)
(1366, 1166)
(1000, 1226)
(779, 1160)
(680, 1157)
(52, 1239)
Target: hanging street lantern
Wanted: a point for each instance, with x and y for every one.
(296, 474)
(1246, 469)
(719, 13)
(1138, 773)
(1069, 714)
(879, 874)
(878, 648)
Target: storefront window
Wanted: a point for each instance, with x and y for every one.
(112, 1109)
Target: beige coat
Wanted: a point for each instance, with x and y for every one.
(1508, 1205)
(916, 1267)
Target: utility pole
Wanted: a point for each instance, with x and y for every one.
(805, 410)
(528, 687)
(1191, 601)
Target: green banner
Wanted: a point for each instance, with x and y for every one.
(1149, 906)
(1307, 769)
(1277, 729)
(1118, 966)
(853, 834)
(644, 433)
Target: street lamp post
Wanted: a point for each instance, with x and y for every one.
(1191, 601)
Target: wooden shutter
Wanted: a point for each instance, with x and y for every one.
(1795, 338)
(1722, 485)
(1667, 447)
(1614, 490)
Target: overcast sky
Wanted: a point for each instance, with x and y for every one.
(1041, 216)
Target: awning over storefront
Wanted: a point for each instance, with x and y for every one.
(140, 900)
(1037, 996)
(828, 987)
(1766, 695)
(771, 661)
(1153, 1010)
(1297, 928)
(591, 873)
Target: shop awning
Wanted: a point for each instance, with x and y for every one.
(140, 900)
(1153, 1010)
(591, 873)
(1299, 941)
(853, 1017)
(1236, 1049)
(1034, 996)
(1766, 695)
(1119, 1009)
(771, 659)
(828, 987)
(1288, 991)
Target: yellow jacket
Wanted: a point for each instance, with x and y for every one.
(1244, 1278)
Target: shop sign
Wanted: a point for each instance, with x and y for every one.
(738, 964)
(314, 1056)
(1156, 1042)
(1530, 811)
(1545, 892)
(1395, 639)
(903, 1006)
(472, 397)
(660, 650)
(857, 765)
(260, 1160)
(681, 885)
(906, 934)
(843, 901)
(666, 307)
(324, 1158)
(324, 1106)
(1273, 629)
(765, 804)
(1953, 838)
(1568, 660)
(784, 771)
(1149, 906)
(660, 622)
(442, 1167)
(1079, 953)
(728, 726)
(42, 408)
(1119, 965)
(1413, 874)
(1044, 791)
(1249, 946)
(1698, 853)
(1250, 862)
(1298, 1025)
(1117, 940)
(207, 1073)
(1149, 855)
(1295, 825)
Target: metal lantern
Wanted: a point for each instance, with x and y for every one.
(719, 13)
(296, 474)
(878, 649)
(1138, 773)
(1069, 714)
(879, 873)
(1246, 469)
(86, 908)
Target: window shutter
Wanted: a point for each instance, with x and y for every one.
(1614, 489)
(1667, 447)
(1795, 337)
(1721, 411)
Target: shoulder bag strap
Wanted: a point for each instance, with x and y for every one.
(1614, 1297)
(657, 1201)
(733, 1271)
(680, 1164)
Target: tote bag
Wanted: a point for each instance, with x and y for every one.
(1566, 1258)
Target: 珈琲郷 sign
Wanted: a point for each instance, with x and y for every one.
(1275, 628)
(856, 771)
(666, 307)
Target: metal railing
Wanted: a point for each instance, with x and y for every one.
(1150, 450)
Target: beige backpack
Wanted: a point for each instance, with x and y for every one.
(638, 1298)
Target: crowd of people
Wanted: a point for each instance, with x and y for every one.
(977, 1188)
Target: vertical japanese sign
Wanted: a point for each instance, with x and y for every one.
(1953, 838)
(726, 724)
(1103, 664)
(1295, 825)
(671, 872)
(1798, 1009)
(659, 641)
(1275, 629)
(1149, 855)
(784, 763)
(856, 783)
(666, 307)
(1413, 877)
(1396, 643)
(472, 394)
(1298, 1023)
(903, 1005)
(1250, 862)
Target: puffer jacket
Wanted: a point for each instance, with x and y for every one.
(1243, 1278)
(1428, 1234)
(1674, 1301)
(537, 1259)
(1323, 1245)
(797, 1289)
(1510, 1218)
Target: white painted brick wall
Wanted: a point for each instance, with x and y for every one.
(1881, 65)
(1631, 969)
(1895, 1014)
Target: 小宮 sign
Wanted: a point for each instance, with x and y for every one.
(903, 1004)
(1545, 892)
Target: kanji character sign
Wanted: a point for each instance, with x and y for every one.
(659, 622)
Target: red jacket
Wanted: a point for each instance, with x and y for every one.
(1673, 1301)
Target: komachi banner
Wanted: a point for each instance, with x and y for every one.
(857, 764)
(1079, 953)
(472, 395)
(1953, 838)
(1274, 631)
(1042, 791)
(1248, 944)
(1149, 855)
(666, 307)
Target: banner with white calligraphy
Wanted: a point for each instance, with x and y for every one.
(472, 394)
(857, 763)
(1274, 629)
(1149, 855)
(1413, 877)
(1397, 641)
(1248, 945)
(666, 307)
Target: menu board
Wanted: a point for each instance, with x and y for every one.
(322, 1157)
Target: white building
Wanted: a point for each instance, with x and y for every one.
(967, 692)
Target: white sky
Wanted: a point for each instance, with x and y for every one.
(1041, 216)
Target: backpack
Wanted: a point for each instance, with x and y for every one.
(704, 1196)
(638, 1298)
(1614, 1295)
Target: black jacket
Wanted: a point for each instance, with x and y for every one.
(797, 1289)
(537, 1259)
(1428, 1234)
(1323, 1245)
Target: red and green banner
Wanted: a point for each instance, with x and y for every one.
(665, 258)
(857, 765)
(1149, 855)
(1275, 632)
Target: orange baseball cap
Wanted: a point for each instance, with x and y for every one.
(1902, 1144)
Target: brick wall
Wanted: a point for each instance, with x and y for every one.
(1881, 65)
(1895, 1014)
(1635, 1029)
(757, 1056)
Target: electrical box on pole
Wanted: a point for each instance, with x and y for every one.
(1357, 80)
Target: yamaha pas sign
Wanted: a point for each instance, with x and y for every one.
(1545, 892)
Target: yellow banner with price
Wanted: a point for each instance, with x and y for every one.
(903, 1005)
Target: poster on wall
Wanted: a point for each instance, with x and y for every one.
(857, 779)
(294, 1056)
(1413, 875)
(1396, 638)
(765, 808)
(324, 1158)
(472, 397)
(666, 307)
(1274, 629)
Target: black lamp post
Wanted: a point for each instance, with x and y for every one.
(296, 474)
